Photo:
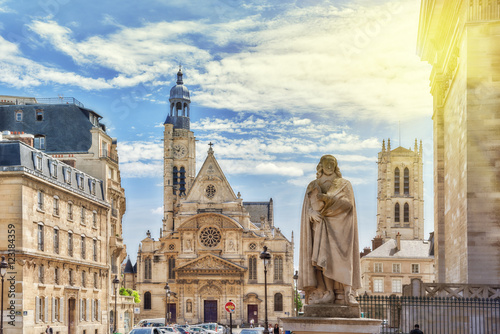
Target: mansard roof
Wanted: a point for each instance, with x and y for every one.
(410, 249)
(18, 156)
(65, 126)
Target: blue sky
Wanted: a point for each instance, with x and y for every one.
(274, 85)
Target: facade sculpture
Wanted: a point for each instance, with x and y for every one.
(329, 246)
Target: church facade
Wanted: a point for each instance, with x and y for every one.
(209, 245)
(400, 195)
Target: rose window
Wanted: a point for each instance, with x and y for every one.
(171, 247)
(252, 246)
(210, 237)
(210, 191)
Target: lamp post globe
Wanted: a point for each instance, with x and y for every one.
(295, 293)
(266, 257)
(3, 271)
(115, 282)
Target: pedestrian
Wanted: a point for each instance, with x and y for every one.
(251, 323)
(276, 329)
(48, 330)
(416, 330)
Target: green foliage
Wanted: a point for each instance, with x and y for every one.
(298, 300)
(124, 292)
(135, 294)
(130, 292)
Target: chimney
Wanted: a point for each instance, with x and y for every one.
(398, 241)
(377, 242)
(365, 251)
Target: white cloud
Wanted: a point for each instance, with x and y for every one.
(353, 61)
(157, 211)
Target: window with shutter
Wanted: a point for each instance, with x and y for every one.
(99, 310)
(46, 310)
(37, 310)
(61, 310)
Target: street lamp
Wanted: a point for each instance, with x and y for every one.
(115, 282)
(3, 271)
(267, 258)
(295, 293)
(167, 313)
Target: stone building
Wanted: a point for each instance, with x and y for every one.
(209, 247)
(400, 196)
(72, 134)
(54, 219)
(461, 40)
(395, 263)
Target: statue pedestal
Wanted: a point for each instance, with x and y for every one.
(332, 311)
(312, 325)
(331, 319)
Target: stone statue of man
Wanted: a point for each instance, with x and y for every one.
(329, 247)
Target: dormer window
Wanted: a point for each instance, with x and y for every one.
(39, 142)
(39, 115)
(19, 115)
(67, 175)
(53, 168)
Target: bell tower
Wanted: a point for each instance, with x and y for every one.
(179, 155)
(400, 194)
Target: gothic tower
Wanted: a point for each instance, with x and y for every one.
(179, 153)
(400, 198)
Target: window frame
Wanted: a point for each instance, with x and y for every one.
(378, 285)
(56, 240)
(18, 113)
(40, 237)
(40, 200)
(278, 302)
(378, 267)
(413, 266)
(397, 288)
(55, 206)
(396, 268)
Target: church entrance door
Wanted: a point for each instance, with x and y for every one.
(253, 314)
(210, 311)
(172, 308)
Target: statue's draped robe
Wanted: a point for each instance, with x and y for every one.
(334, 245)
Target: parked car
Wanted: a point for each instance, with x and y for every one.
(256, 330)
(157, 322)
(146, 330)
(169, 329)
(197, 330)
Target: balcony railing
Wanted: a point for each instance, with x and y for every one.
(109, 155)
(59, 100)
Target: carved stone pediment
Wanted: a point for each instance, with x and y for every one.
(210, 264)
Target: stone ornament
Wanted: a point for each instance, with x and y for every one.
(210, 237)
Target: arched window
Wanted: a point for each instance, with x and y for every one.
(178, 107)
(396, 213)
(171, 267)
(147, 269)
(406, 213)
(182, 181)
(278, 302)
(252, 268)
(175, 179)
(278, 268)
(407, 181)
(396, 181)
(147, 300)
